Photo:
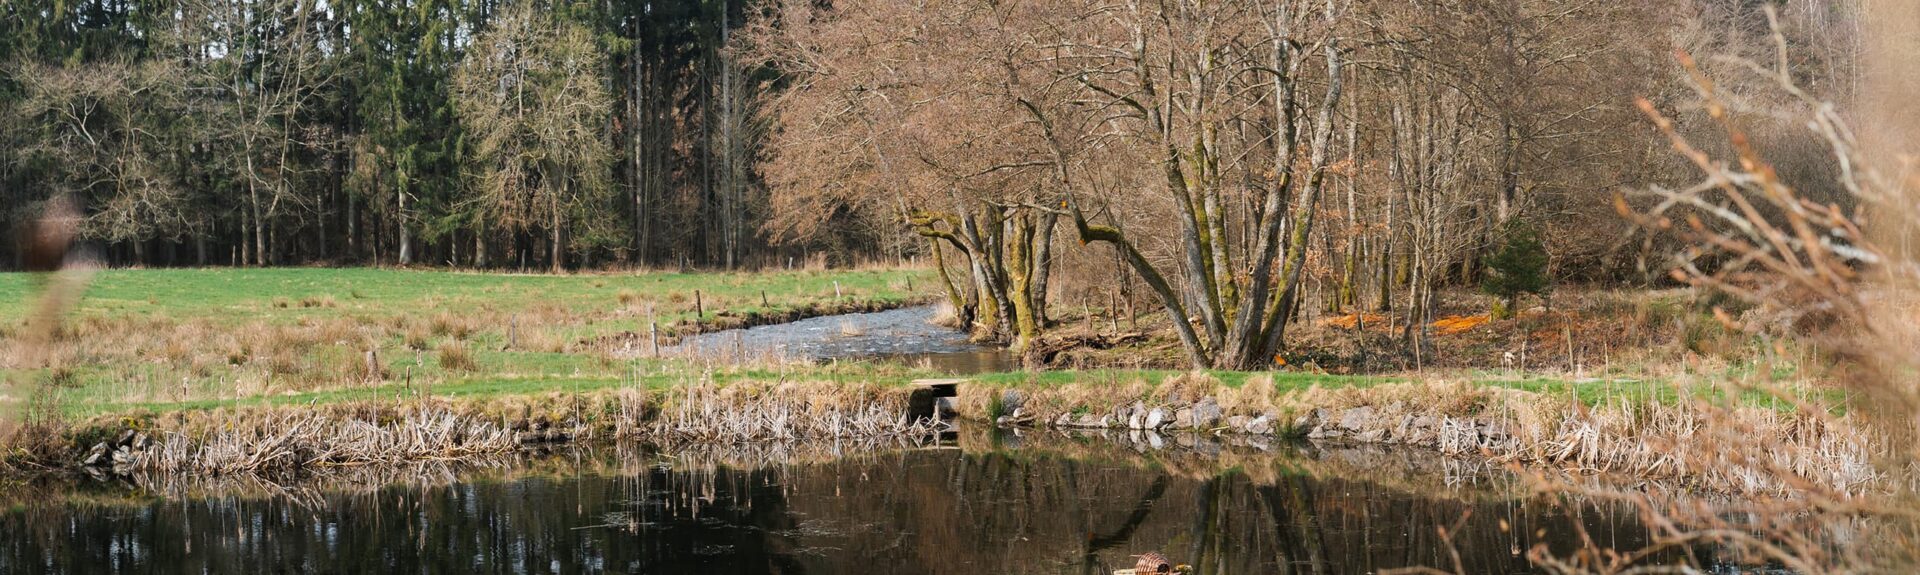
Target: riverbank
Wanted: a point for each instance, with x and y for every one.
(1705, 438)
(1618, 432)
(251, 371)
(985, 500)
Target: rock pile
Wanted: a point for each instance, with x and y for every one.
(120, 455)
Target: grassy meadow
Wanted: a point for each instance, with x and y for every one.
(399, 365)
(168, 339)
(206, 337)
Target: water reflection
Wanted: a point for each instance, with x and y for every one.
(1053, 504)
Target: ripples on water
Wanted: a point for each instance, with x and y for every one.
(907, 335)
(981, 504)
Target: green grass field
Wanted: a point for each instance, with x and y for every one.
(205, 337)
(183, 339)
(291, 294)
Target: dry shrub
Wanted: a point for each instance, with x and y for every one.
(1808, 262)
(456, 357)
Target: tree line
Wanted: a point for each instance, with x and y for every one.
(1235, 163)
(1241, 161)
(520, 133)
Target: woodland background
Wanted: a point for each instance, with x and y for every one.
(1233, 161)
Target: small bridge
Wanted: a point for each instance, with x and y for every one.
(925, 401)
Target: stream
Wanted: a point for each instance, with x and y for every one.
(906, 335)
(987, 501)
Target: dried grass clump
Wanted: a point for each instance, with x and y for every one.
(944, 315)
(543, 340)
(1192, 386)
(708, 413)
(628, 298)
(418, 337)
(337, 331)
(319, 301)
(1257, 397)
(446, 324)
(456, 357)
(295, 438)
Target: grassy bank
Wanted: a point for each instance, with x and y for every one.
(1632, 430)
(1701, 435)
(248, 370)
(146, 338)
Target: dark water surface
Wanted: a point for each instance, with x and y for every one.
(984, 503)
(906, 335)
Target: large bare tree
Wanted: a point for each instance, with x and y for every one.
(531, 92)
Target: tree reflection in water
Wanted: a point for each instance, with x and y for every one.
(1054, 504)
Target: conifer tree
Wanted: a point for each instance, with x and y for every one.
(1519, 267)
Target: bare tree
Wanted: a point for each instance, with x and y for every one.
(530, 90)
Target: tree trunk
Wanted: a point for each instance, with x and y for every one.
(406, 234)
(962, 309)
(1020, 266)
(1043, 266)
(559, 253)
(259, 227)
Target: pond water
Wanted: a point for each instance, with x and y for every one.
(906, 335)
(985, 502)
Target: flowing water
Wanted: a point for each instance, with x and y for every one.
(984, 502)
(906, 335)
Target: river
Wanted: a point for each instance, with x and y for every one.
(984, 502)
(906, 335)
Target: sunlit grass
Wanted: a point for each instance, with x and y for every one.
(207, 337)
